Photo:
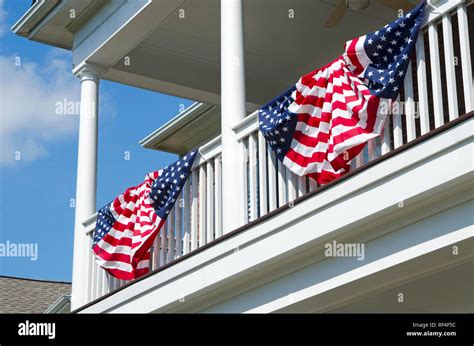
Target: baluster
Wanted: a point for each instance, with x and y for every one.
(178, 226)
(435, 74)
(253, 207)
(465, 58)
(170, 233)
(423, 110)
(409, 105)
(386, 142)
(244, 210)
(262, 173)
(281, 184)
(186, 218)
(301, 186)
(194, 209)
(292, 184)
(272, 181)
(164, 244)
(218, 196)
(210, 201)
(449, 66)
(397, 124)
(202, 205)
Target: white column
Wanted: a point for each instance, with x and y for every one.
(86, 183)
(232, 111)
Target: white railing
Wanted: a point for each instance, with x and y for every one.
(437, 89)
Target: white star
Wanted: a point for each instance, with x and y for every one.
(398, 33)
(400, 73)
(370, 41)
(383, 38)
(282, 140)
(395, 88)
(402, 25)
(405, 57)
(393, 42)
(390, 50)
(375, 54)
(379, 46)
(382, 78)
(370, 74)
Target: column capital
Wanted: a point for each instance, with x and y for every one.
(89, 71)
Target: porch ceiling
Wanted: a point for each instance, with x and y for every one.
(186, 51)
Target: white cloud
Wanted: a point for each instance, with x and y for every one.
(29, 96)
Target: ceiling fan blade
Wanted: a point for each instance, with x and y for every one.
(404, 5)
(337, 14)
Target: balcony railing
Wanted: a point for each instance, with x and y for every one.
(437, 89)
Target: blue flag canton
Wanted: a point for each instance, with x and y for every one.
(277, 123)
(390, 49)
(104, 223)
(165, 190)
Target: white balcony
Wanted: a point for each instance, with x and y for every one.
(407, 199)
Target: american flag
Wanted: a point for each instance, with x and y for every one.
(320, 124)
(126, 227)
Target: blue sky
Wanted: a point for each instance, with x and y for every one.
(36, 190)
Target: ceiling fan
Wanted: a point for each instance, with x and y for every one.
(357, 5)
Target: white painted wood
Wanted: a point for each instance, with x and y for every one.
(397, 124)
(435, 64)
(423, 110)
(301, 186)
(164, 244)
(178, 226)
(272, 179)
(386, 141)
(243, 209)
(282, 186)
(466, 63)
(262, 174)
(232, 111)
(371, 149)
(90, 264)
(394, 178)
(105, 286)
(98, 283)
(450, 67)
(194, 209)
(292, 185)
(359, 159)
(313, 185)
(202, 206)
(218, 196)
(156, 252)
(252, 171)
(171, 236)
(209, 202)
(186, 217)
(409, 105)
(86, 183)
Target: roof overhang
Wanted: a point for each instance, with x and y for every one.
(54, 22)
(193, 127)
(61, 306)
